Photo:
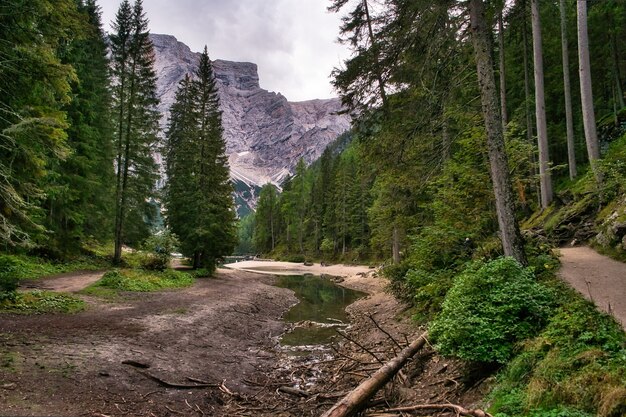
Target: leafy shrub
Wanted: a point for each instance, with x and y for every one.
(159, 248)
(490, 307)
(11, 270)
(153, 262)
(429, 290)
(396, 274)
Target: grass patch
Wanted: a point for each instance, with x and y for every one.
(29, 267)
(41, 302)
(138, 280)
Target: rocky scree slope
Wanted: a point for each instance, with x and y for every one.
(265, 134)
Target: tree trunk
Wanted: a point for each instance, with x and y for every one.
(571, 154)
(395, 245)
(503, 111)
(512, 242)
(616, 74)
(529, 117)
(545, 180)
(586, 94)
(357, 398)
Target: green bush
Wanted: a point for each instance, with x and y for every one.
(429, 289)
(11, 270)
(490, 307)
(143, 281)
(202, 273)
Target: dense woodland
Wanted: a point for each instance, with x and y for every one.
(415, 170)
(486, 133)
(79, 132)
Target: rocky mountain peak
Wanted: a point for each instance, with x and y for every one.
(265, 134)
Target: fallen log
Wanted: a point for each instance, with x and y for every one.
(358, 397)
(460, 411)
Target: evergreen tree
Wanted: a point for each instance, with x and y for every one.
(136, 123)
(79, 193)
(199, 200)
(34, 86)
(267, 215)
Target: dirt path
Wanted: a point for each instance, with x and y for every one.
(68, 282)
(597, 277)
(220, 329)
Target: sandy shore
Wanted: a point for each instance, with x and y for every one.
(288, 268)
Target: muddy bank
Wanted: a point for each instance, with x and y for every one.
(221, 329)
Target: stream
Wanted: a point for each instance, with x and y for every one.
(320, 310)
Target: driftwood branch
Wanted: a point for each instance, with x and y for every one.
(175, 385)
(359, 345)
(461, 411)
(357, 398)
(395, 342)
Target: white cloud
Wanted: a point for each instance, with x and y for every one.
(291, 41)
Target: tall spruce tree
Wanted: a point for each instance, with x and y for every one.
(136, 123)
(34, 86)
(79, 202)
(199, 193)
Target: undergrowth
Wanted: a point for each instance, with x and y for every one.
(138, 280)
(41, 302)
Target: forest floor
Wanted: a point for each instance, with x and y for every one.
(223, 331)
(598, 278)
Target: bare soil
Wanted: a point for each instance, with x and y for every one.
(68, 282)
(223, 331)
(599, 278)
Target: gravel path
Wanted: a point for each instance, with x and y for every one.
(597, 277)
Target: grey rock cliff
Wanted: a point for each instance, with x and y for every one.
(265, 134)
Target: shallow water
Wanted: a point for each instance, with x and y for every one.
(321, 309)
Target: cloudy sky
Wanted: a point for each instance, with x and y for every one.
(293, 42)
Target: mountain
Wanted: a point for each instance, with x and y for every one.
(265, 133)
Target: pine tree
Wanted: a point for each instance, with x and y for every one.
(199, 200)
(267, 215)
(79, 199)
(136, 123)
(509, 230)
(34, 86)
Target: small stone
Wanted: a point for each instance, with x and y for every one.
(9, 386)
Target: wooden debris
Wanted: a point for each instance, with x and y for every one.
(358, 398)
(460, 411)
(178, 386)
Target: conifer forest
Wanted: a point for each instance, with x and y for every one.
(469, 228)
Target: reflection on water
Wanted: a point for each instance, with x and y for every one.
(321, 308)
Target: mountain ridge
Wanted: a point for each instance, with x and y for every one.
(265, 134)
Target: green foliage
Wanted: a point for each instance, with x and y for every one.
(578, 362)
(490, 307)
(202, 273)
(159, 248)
(14, 268)
(198, 194)
(142, 281)
(41, 302)
(135, 124)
